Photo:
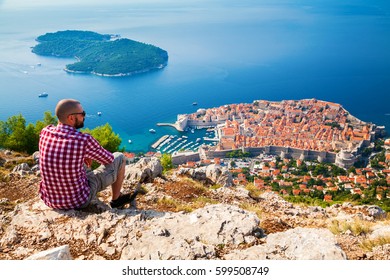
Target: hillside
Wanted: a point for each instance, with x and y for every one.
(185, 217)
(100, 54)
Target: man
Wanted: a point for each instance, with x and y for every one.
(64, 150)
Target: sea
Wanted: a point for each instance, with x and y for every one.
(220, 52)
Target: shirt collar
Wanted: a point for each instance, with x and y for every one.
(62, 126)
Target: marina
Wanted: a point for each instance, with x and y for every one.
(190, 140)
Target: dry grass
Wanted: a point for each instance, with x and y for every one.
(202, 201)
(173, 205)
(254, 192)
(215, 187)
(357, 227)
(369, 244)
(252, 208)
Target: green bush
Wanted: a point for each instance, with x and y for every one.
(15, 135)
(106, 137)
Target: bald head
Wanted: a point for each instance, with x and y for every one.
(65, 107)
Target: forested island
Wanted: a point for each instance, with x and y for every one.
(105, 55)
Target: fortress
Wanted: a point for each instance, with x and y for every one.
(306, 129)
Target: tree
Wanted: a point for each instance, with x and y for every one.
(48, 119)
(32, 135)
(106, 137)
(352, 169)
(13, 134)
(166, 162)
(16, 136)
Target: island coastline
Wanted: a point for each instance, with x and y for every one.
(101, 55)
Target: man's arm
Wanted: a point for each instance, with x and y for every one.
(96, 152)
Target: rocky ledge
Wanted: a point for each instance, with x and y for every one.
(230, 223)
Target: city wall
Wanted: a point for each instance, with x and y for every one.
(181, 158)
(283, 152)
(203, 124)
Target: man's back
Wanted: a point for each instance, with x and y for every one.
(63, 150)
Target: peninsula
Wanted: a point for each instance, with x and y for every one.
(105, 55)
(306, 129)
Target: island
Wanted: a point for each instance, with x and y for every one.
(101, 54)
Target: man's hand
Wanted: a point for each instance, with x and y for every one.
(88, 162)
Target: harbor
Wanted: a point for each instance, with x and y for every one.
(189, 140)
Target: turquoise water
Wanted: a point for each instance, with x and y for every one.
(220, 52)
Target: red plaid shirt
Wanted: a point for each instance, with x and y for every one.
(63, 149)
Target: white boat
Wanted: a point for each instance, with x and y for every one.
(99, 113)
(152, 130)
(43, 94)
(129, 141)
(194, 103)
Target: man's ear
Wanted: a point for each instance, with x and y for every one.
(70, 119)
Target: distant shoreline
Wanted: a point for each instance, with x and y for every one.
(114, 75)
(101, 54)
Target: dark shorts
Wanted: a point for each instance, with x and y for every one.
(103, 176)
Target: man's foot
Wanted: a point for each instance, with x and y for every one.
(122, 200)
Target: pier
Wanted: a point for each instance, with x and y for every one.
(175, 125)
(159, 141)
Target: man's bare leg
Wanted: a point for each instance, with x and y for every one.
(117, 185)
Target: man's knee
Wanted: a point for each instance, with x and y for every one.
(120, 157)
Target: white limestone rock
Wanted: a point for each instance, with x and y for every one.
(144, 171)
(193, 235)
(294, 244)
(211, 174)
(380, 231)
(59, 253)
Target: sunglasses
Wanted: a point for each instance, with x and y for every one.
(82, 113)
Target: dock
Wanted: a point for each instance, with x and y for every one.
(210, 139)
(159, 141)
(174, 125)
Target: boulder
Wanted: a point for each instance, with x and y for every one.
(294, 244)
(380, 232)
(36, 157)
(144, 171)
(59, 253)
(21, 167)
(376, 212)
(211, 174)
(194, 235)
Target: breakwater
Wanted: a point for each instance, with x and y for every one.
(159, 141)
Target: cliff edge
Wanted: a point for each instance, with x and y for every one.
(184, 217)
